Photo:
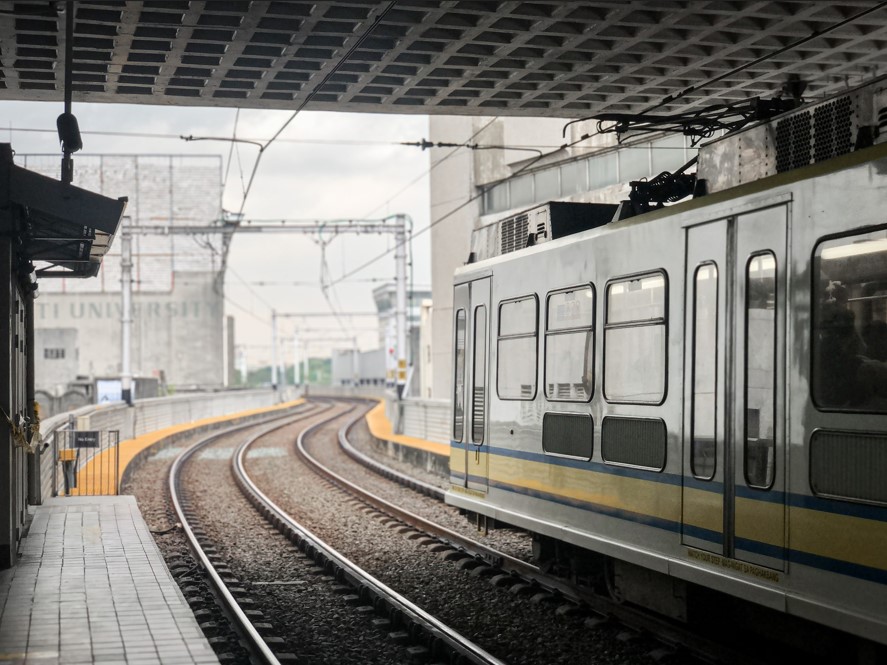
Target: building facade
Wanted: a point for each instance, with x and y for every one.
(178, 329)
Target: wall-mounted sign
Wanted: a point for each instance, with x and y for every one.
(86, 439)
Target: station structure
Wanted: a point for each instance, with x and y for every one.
(500, 76)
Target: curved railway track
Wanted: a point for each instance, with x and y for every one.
(431, 638)
(521, 576)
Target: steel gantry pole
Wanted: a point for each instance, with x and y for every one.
(331, 228)
(274, 349)
(400, 261)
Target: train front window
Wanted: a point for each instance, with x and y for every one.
(634, 340)
(850, 323)
(760, 368)
(569, 345)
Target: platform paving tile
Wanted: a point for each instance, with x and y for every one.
(91, 587)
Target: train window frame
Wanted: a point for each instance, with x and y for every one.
(564, 331)
(514, 336)
(462, 311)
(717, 322)
(745, 365)
(815, 272)
(474, 438)
(664, 321)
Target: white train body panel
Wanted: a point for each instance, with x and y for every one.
(709, 462)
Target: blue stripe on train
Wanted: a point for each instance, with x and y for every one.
(794, 556)
(835, 506)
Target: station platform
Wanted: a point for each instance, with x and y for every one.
(92, 587)
(381, 428)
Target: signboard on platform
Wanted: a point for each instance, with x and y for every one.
(86, 439)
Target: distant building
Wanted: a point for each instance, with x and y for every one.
(385, 297)
(178, 324)
(351, 367)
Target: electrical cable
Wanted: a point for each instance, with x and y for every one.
(668, 99)
(230, 152)
(243, 309)
(180, 137)
(464, 204)
(376, 21)
(430, 169)
(251, 290)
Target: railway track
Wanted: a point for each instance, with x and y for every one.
(418, 634)
(519, 576)
(429, 638)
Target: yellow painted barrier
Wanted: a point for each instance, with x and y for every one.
(381, 428)
(92, 483)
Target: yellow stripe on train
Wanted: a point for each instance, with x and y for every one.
(617, 492)
(842, 537)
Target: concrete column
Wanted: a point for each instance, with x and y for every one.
(400, 312)
(273, 349)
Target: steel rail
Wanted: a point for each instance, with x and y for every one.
(387, 472)
(371, 589)
(255, 644)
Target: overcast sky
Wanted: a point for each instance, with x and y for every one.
(294, 181)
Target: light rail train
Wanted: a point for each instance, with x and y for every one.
(690, 405)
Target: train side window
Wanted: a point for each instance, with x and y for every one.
(635, 339)
(479, 376)
(850, 323)
(516, 350)
(703, 433)
(569, 345)
(760, 374)
(459, 379)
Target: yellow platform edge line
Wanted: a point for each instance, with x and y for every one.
(380, 427)
(130, 448)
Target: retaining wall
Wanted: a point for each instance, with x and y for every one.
(148, 415)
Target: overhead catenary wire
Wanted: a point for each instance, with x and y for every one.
(265, 145)
(430, 168)
(462, 205)
(668, 99)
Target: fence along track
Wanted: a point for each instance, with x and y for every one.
(371, 590)
(253, 640)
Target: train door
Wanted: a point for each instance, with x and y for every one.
(705, 418)
(734, 389)
(471, 395)
(758, 421)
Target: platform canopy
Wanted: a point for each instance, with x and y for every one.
(540, 58)
(64, 229)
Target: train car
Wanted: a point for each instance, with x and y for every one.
(694, 399)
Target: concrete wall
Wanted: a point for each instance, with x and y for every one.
(451, 185)
(57, 358)
(177, 333)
